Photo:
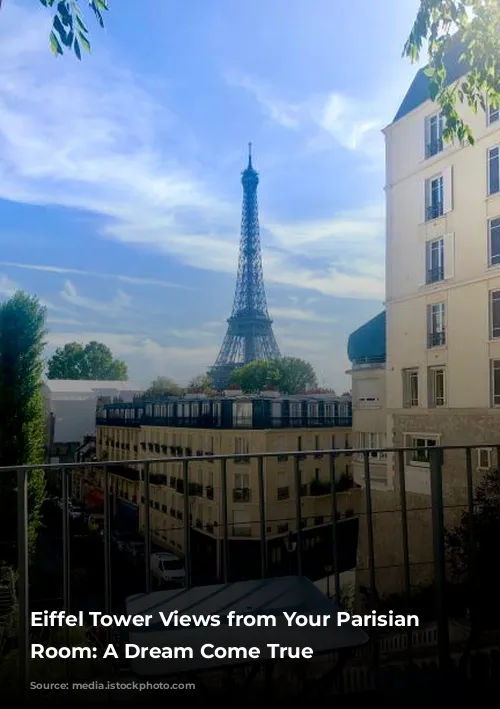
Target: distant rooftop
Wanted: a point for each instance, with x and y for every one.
(418, 93)
(87, 386)
(366, 345)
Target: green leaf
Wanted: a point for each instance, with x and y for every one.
(80, 24)
(54, 44)
(76, 49)
(84, 42)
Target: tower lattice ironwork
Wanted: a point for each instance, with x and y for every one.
(249, 335)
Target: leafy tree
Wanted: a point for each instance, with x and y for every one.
(472, 556)
(93, 362)
(201, 383)
(254, 376)
(69, 30)
(289, 375)
(164, 386)
(295, 375)
(476, 25)
(22, 418)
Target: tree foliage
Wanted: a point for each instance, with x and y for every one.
(201, 384)
(289, 375)
(69, 30)
(470, 555)
(22, 418)
(476, 25)
(93, 362)
(164, 386)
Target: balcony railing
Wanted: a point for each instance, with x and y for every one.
(434, 275)
(298, 532)
(433, 147)
(436, 339)
(434, 211)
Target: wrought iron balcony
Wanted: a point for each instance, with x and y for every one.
(434, 211)
(434, 275)
(236, 546)
(216, 422)
(433, 147)
(436, 339)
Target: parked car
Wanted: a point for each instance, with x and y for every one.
(168, 568)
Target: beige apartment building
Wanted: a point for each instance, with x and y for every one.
(205, 427)
(442, 370)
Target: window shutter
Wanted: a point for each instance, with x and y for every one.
(449, 255)
(448, 189)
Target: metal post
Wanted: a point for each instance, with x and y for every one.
(262, 518)
(147, 529)
(406, 549)
(65, 540)
(225, 527)
(335, 550)
(369, 524)
(187, 524)
(436, 472)
(23, 580)
(107, 543)
(65, 556)
(298, 513)
(470, 511)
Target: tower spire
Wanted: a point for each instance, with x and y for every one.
(249, 335)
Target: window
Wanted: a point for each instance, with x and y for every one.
(493, 114)
(434, 127)
(241, 446)
(495, 382)
(436, 336)
(372, 441)
(494, 241)
(410, 388)
(242, 414)
(434, 260)
(314, 411)
(295, 410)
(494, 170)
(367, 393)
(241, 481)
(437, 389)
(434, 198)
(484, 458)
(494, 314)
(419, 457)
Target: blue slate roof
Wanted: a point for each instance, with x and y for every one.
(418, 93)
(367, 344)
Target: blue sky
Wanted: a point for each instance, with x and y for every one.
(120, 196)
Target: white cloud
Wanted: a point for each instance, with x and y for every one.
(299, 314)
(7, 287)
(145, 357)
(93, 274)
(106, 154)
(120, 303)
(286, 114)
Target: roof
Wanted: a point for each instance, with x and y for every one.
(367, 344)
(418, 93)
(85, 386)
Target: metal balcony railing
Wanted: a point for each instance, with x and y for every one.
(434, 211)
(226, 532)
(433, 147)
(434, 275)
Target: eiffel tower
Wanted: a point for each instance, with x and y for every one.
(249, 335)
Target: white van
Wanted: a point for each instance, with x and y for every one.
(168, 568)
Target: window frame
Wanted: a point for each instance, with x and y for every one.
(429, 269)
(493, 259)
(489, 161)
(434, 210)
(488, 452)
(436, 337)
(439, 117)
(409, 374)
(431, 376)
(410, 442)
